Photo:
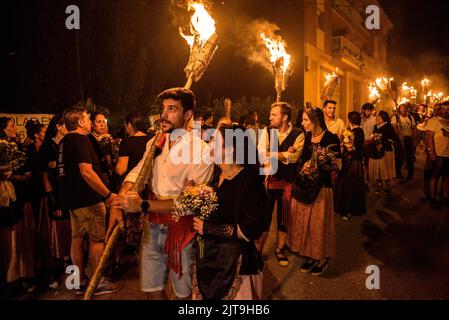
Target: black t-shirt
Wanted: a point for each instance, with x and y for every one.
(74, 149)
(49, 153)
(134, 148)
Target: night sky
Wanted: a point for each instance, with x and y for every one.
(130, 50)
(418, 43)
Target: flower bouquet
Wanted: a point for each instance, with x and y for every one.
(308, 182)
(10, 156)
(376, 147)
(200, 201)
(348, 140)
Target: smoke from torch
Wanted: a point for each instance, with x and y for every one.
(203, 42)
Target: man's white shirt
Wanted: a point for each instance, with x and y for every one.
(170, 175)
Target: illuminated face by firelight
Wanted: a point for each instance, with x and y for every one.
(173, 115)
(329, 110)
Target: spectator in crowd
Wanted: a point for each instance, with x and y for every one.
(208, 121)
(53, 227)
(368, 120)
(334, 125)
(85, 194)
(131, 151)
(8, 129)
(438, 142)
(103, 144)
(405, 125)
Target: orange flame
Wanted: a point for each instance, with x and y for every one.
(408, 93)
(373, 92)
(382, 83)
(425, 82)
(277, 50)
(329, 77)
(202, 25)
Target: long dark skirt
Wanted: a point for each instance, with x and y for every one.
(54, 236)
(350, 191)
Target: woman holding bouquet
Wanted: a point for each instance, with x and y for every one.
(16, 220)
(382, 158)
(231, 267)
(311, 220)
(350, 191)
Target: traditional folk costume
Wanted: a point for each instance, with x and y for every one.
(232, 266)
(350, 191)
(285, 174)
(167, 245)
(382, 157)
(311, 222)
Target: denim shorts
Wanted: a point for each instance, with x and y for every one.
(90, 220)
(153, 263)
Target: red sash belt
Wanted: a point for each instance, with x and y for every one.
(274, 183)
(179, 235)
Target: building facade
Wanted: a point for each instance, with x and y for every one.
(336, 37)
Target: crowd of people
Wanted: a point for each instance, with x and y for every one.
(58, 208)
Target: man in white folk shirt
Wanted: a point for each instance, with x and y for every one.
(160, 232)
(290, 144)
(334, 124)
(368, 120)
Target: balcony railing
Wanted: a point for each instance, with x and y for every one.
(345, 48)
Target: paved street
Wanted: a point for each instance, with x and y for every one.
(402, 235)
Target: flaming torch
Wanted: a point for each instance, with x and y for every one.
(331, 83)
(408, 93)
(425, 89)
(203, 42)
(437, 97)
(281, 62)
(374, 95)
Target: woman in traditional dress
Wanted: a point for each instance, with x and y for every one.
(350, 191)
(16, 220)
(232, 266)
(311, 219)
(382, 167)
